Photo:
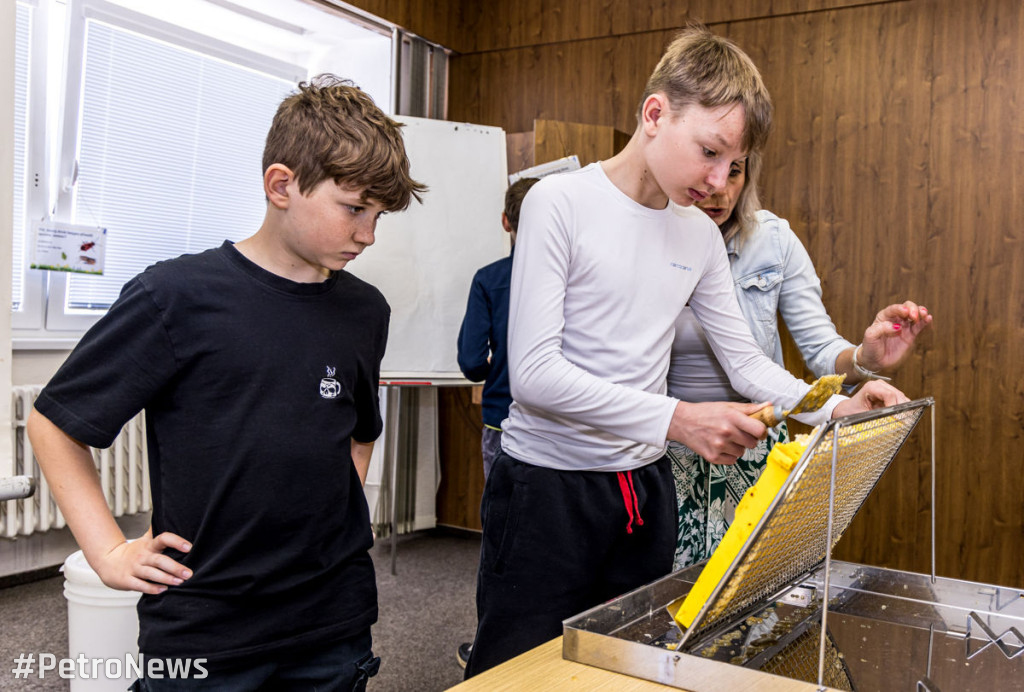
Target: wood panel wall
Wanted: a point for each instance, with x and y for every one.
(460, 420)
(442, 21)
(554, 140)
(897, 157)
(471, 26)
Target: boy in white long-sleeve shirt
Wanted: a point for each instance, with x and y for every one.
(580, 504)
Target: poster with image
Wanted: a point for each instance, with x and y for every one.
(65, 247)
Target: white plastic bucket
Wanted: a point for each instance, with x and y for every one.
(102, 625)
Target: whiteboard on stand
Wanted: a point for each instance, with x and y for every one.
(424, 258)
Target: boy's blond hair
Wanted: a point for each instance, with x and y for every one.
(701, 68)
(330, 128)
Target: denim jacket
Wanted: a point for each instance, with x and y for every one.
(773, 274)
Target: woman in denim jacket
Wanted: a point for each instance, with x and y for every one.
(773, 273)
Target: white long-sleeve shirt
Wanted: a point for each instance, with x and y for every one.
(597, 283)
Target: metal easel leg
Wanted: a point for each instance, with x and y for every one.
(933, 512)
(393, 411)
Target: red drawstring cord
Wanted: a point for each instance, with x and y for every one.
(636, 502)
(629, 499)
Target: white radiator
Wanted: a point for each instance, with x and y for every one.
(123, 469)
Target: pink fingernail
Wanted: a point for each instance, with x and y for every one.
(897, 327)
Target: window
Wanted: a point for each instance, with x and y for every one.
(158, 164)
(23, 46)
(159, 139)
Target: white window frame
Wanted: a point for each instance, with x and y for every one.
(37, 166)
(58, 318)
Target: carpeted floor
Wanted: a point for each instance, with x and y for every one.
(426, 611)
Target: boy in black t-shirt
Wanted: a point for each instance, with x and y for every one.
(257, 364)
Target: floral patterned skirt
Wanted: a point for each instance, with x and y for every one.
(707, 495)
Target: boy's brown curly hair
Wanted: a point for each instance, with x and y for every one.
(330, 128)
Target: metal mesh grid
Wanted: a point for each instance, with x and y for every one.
(799, 661)
(790, 539)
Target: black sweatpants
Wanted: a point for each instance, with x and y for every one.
(556, 543)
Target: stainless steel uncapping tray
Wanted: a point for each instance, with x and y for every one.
(841, 465)
(888, 630)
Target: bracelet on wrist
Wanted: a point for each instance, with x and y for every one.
(864, 372)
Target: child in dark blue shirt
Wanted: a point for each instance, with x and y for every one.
(484, 333)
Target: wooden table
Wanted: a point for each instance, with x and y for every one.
(544, 668)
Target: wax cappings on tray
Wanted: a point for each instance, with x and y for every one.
(791, 538)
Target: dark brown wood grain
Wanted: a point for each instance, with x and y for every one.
(554, 140)
(843, 172)
(595, 82)
(446, 22)
(519, 146)
(470, 26)
(462, 468)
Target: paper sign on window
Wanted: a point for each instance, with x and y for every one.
(65, 247)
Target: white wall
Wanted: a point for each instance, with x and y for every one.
(7, 36)
(35, 367)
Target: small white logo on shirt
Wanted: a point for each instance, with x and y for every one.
(330, 388)
(681, 266)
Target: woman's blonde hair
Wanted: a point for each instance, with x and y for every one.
(742, 221)
(701, 68)
(330, 128)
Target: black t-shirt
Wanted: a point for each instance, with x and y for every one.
(253, 387)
